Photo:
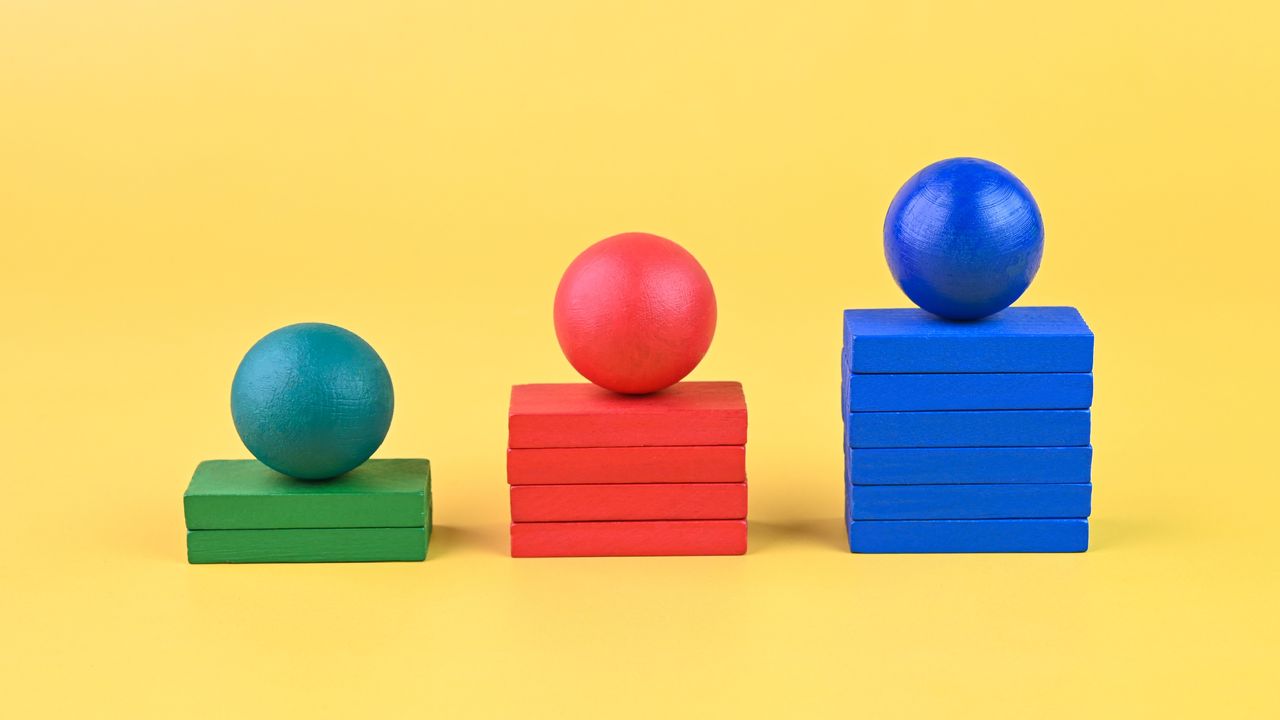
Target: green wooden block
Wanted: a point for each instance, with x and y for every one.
(247, 495)
(305, 545)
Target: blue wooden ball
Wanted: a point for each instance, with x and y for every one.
(963, 238)
(312, 400)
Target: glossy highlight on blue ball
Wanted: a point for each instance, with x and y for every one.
(963, 238)
(312, 400)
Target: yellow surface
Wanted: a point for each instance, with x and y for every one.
(179, 178)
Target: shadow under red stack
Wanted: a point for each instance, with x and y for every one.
(595, 473)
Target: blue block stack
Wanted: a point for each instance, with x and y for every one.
(967, 436)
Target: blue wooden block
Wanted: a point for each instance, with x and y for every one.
(969, 391)
(1019, 339)
(967, 502)
(968, 536)
(968, 428)
(959, 465)
(845, 381)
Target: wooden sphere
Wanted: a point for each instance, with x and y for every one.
(963, 238)
(312, 400)
(635, 313)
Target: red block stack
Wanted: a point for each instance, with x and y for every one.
(595, 473)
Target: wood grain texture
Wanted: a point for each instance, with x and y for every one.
(245, 494)
(312, 400)
(577, 415)
(647, 538)
(1019, 339)
(659, 464)
(968, 536)
(966, 391)
(985, 465)
(570, 503)
(967, 502)
(968, 428)
(307, 545)
(635, 313)
(963, 238)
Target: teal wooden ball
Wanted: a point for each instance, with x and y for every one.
(312, 400)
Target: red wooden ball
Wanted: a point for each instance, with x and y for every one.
(635, 313)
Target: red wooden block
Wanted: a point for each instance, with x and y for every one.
(567, 503)
(661, 464)
(580, 415)
(653, 537)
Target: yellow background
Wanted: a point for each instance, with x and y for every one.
(179, 178)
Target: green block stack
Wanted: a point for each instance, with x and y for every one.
(241, 511)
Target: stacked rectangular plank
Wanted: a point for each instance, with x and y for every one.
(241, 511)
(967, 437)
(595, 473)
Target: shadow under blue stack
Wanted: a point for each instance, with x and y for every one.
(967, 436)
